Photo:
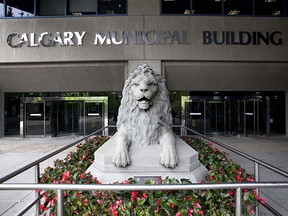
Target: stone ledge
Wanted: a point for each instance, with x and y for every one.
(145, 162)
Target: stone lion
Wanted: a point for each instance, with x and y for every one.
(144, 117)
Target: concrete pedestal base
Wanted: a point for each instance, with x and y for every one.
(145, 162)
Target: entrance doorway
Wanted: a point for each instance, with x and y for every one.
(35, 118)
(210, 115)
(68, 118)
(59, 116)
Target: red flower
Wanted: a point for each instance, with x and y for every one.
(190, 210)
(249, 179)
(66, 176)
(145, 196)
(134, 195)
(158, 202)
(85, 202)
(172, 205)
(196, 205)
(82, 175)
(231, 192)
(200, 212)
(78, 195)
(43, 208)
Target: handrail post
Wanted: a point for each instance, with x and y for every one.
(257, 178)
(238, 211)
(60, 209)
(37, 194)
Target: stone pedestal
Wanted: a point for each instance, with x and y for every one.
(145, 162)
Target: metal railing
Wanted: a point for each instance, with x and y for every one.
(36, 164)
(257, 164)
(124, 187)
(60, 187)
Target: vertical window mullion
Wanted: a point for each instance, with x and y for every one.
(222, 7)
(191, 7)
(65, 7)
(34, 7)
(253, 7)
(97, 5)
(5, 8)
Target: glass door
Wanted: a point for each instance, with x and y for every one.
(254, 117)
(68, 117)
(215, 117)
(195, 115)
(94, 118)
(35, 119)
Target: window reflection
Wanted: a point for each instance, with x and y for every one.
(112, 7)
(269, 7)
(50, 7)
(238, 7)
(82, 7)
(207, 6)
(226, 7)
(176, 7)
(1, 8)
(19, 8)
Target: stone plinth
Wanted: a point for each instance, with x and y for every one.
(145, 161)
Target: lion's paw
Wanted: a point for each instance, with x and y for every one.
(121, 157)
(168, 158)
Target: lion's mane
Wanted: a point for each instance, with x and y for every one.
(144, 126)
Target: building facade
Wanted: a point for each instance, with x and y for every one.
(64, 74)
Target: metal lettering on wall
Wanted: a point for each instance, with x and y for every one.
(47, 39)
(241, 38)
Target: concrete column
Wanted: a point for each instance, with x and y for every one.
(147, 8)
(286, 111)
(2, 111)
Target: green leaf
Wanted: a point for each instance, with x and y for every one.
(151, 200)
(172, 200)
(141, 201)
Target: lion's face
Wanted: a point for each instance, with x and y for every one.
(144, 88)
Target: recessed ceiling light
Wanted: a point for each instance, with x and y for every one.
(234, 12)
(276, 13)
(270, 0)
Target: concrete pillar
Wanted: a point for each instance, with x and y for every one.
(286, 111)
(2, 111)
(149, 8)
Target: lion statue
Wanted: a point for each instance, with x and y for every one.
(144, 118)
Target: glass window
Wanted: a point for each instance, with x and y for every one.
(207, 6)
(50, 7)
(238, 7)
(286, 8)
(112, 7)
(19, 8)
(1, 8)
(176, 7)
(269, 7)
(81, 7)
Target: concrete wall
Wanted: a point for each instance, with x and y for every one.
(193, 50)
(206, 67)
(1, 114)
(226, 76)
(286, 108)
(143, 8)
(56, 77)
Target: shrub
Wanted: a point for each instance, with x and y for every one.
(72, 169)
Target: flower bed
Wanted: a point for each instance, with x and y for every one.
(72, 169)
